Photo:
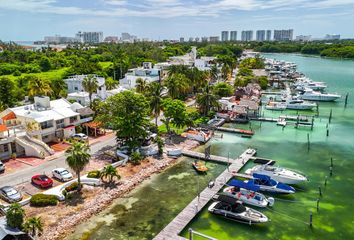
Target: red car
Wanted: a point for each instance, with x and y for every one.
(42, 180)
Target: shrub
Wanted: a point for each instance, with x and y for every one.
(43, 200)
(72, 187)
(94, 174)
(135, 158)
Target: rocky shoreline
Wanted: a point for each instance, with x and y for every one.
(101, 197)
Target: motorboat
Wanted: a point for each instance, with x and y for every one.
(305, 82)
(267, 184)
(199, 166)
(248, 194)
(276, 106)
(278, 174)
(229, 208)
(312, 95)
(299, 104)
(281, 122)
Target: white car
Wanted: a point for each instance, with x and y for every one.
(62, 174)
(80, 137)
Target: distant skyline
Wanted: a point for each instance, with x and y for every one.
(22, 20)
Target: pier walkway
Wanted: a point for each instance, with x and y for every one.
(235, 130)
(175, 227)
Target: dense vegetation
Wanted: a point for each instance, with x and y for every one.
(337, 49)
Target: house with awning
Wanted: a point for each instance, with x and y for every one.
(26, 130)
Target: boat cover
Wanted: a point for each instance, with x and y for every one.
(261, 177)
(241, 184)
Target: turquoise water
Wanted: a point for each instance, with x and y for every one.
(148, 209)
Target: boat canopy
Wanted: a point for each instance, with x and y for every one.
(225, 199)
(261, 177)
(241, 184)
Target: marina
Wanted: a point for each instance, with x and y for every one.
(268, 141)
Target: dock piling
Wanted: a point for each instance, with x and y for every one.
(325, 183)
(346, 100)
(330, 117)
(327, 132)
(311, 220)
(330, 171)
(320, 191)
(308, 142)
(331, 161)
(318, 204)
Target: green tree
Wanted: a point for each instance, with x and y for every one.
(33, 226)
(206, 100)
(45, 64)
(225, 71)
(110, 83)
(127, 114)
(222, 89)
(155, 97)
(90, 85)
(174, 112)
(141, 85)
(78, 157)
(177, 85)
(109, 172)
(15, 215)
(38, 87)
(59, 88)
(7, 88)
(214, 73)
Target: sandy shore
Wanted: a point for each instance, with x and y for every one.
(61, 220)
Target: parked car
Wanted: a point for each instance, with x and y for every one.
(10, 194)
(2, 167)
(62, 174)
(80, 137)
(42, 181)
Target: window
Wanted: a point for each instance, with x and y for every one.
(75, 88)
(6, 148)
(73, 119)
(60, 123)
(47, 124)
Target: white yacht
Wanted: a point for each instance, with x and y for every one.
(299, 104)
(303, 83)
(278, 174)
(312, 95)
(276, 106)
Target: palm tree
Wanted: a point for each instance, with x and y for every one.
(141, 85)
(90, 85)
(214, 73)
(38, 86)
(33, 226)
(225, 71)
(78, 157)
(177, 84)
(206, 100)
(110, 172)
(59, 88)
(155, 96)
(110, 83)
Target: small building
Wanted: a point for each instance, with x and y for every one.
(146, 73)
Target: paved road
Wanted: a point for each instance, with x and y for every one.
(25, 175)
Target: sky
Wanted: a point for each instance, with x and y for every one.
(22, 20)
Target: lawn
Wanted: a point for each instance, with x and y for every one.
(51, 75)
(163, 130)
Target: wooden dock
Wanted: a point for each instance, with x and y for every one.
(199, 155)
(235, 130)
(176, 226)
(265, 119)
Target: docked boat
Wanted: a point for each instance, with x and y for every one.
(299, 104)
(303, 83)
(248, 194)
(266, 184)
(278, 174)
(276, 106)
(312, 95)
(199, 166)
(229, 208)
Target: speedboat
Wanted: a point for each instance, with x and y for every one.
(276, 106)
(266, 184)
(312, 95)
(229, 208)
(200, 167)
(298, 104)
(247, 194)
(278, 174)
(305, 82)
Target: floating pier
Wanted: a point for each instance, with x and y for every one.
(264, 119)
(176, 226)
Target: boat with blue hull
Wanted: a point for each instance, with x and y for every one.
(266, 184)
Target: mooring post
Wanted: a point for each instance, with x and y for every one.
(310, 219)
(318, 204)
(320, 191)
(330, 171)
(326, 178)
(327, 132)
(190, 234)
(308, 142)
(317, 110)
(312, 123)
(331, 161)
(346, 100)
(330, 116)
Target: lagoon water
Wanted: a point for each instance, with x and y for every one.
(150, 207)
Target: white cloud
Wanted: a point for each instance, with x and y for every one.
(167, 8)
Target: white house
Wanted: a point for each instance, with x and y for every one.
(146, 73)
(77, 92)
(204, 63)
(25, 130)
